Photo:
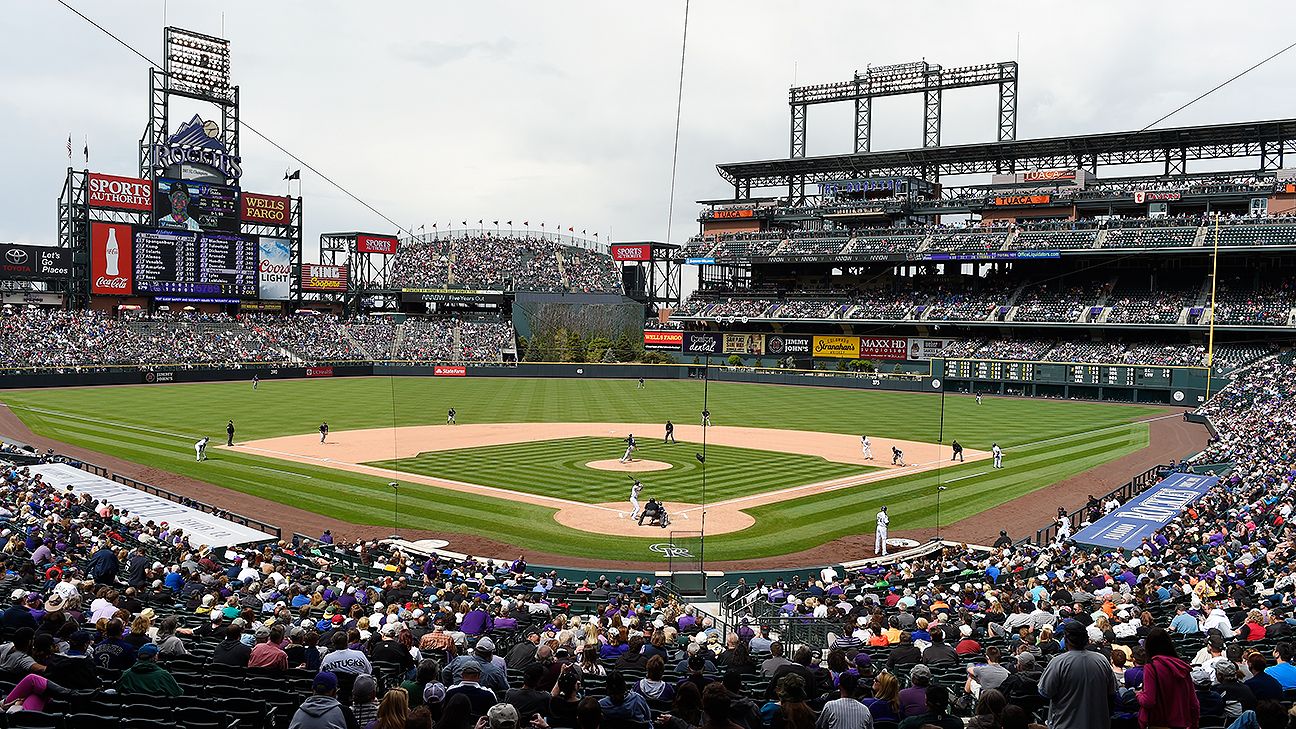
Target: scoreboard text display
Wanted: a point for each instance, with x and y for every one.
(187, 263)
(1056, 373)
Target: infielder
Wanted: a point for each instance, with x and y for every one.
(897, 456)
(706, 418)
(997, 452)
(450, 417)
(880, 536)
(629, 451)
(634, 499)
(323, 429)
(229, 433)
(958, 451)
(670, 433)
(867, 446)
(200, 449)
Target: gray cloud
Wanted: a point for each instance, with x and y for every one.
(435, 54)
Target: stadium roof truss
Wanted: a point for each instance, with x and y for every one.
(1269, 141)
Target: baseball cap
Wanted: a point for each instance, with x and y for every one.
(1226, 671)
(502, 716)
(919, 670)
(486, 644)
(470, 668)
(148, 650)
(325, 682)
(434, 693)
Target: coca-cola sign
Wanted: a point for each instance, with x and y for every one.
(121, 193)
(384, 244)
(110, 259)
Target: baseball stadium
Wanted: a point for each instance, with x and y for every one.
(952, 435)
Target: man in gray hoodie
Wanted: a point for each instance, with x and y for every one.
(322, 710)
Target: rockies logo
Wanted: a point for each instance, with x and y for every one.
(666, 549)
(776, 345)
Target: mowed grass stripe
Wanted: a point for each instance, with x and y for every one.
(556, 468)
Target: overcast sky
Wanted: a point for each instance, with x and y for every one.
(564, 112)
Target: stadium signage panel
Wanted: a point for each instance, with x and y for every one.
(319, 371)
(449, 371)
(701, 343)
(890, 184)
(328, 279)
(928, 348)
(188, 263)
(1142, 196)
(1048, 175)
(1021, 200)
(197, 143)
(883, 347)
(732, 214)
(34, 262)
(383, 244)
(669, 340)
(111, 273)
(744, 343)
(120, 193)
(632, 253)
(1137, 519)
(781, 344)
(264, 209)
(274, 269)
(451, 296)
(837, 346)
(700, 261)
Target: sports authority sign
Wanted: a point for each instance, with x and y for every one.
(632, 253)
(327, 279)
(668, 340)
(120, 193)
(264, 209)
(110, 259)
(883, 347)
(384, 244)
(449, 371)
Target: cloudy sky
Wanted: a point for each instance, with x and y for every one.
(564, 112)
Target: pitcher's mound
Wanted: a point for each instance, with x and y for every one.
(635, 466)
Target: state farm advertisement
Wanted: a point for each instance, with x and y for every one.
(449, 371)
(264, 209)
(326, 279)
(110, 259)
(883, 347)
(120, 193)
(384, 244)
(632, 253)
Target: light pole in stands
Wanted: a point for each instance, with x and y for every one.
(706, 424)
(395, 487)
(940, 459)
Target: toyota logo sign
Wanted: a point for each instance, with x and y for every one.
(16, 256)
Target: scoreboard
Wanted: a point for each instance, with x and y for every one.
(188, 263)
(1054, 373)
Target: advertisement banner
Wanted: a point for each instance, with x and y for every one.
(668, 340)
(329, 279)
(264, 209)
(34, 262)
(451, 296)
(1142, 196)
(1049, 175)
(701, 343)
(1135, 520)
(700, 261)
(1020, 200)
(319, 371)
(732, 214)
(449, 371)
(274, 269)
(883, 347)
(928, 348)
(119, 193)
(110, 259)
(744, 343)
(837, 346)
(631, 253)
(384, 244)
(781, 345)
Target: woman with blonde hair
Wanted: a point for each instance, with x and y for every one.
(393, 711)
(885, 704)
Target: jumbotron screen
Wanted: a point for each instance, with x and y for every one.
(191, 205)
(187, 263)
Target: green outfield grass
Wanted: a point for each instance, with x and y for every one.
(1045, 441)
(557, 467)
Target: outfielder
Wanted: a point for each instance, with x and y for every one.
(200, 449)
(867, 446)
(256, 380)
(997, 452)
(629, 451)
(634, 498)
(880, 536)
(706, 418)
(670, 433)
(640, 386)
(978, 398)
(958, 451)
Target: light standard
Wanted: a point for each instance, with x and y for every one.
(939, 489)
(395, 487)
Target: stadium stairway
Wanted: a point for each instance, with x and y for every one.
(358, 344)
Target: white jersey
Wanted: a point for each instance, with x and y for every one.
(883, 520)
(634, 490)
(996, 451)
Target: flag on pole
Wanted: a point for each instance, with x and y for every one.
(292, 175)
(526, 223)
(496, 222)
(571, 229)
(86, 150)
(509, 223)
(69, 145)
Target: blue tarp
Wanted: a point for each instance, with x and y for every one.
(1138, 518)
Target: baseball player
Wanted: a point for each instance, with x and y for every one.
(670, 433)
(200, 449)
(897, 456)
(323, 429)
(958, 451)
(450, 417)
(880, 536)
(1064, 528)
(634, 499)
(997, 452)
(229, 433)
(978, 398)
(640, 386)
(706, 418)
(866, 445)
(629, 451)
(256, 380)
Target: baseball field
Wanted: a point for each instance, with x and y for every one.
(535, 463)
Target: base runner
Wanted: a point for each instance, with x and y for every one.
(866, 445)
